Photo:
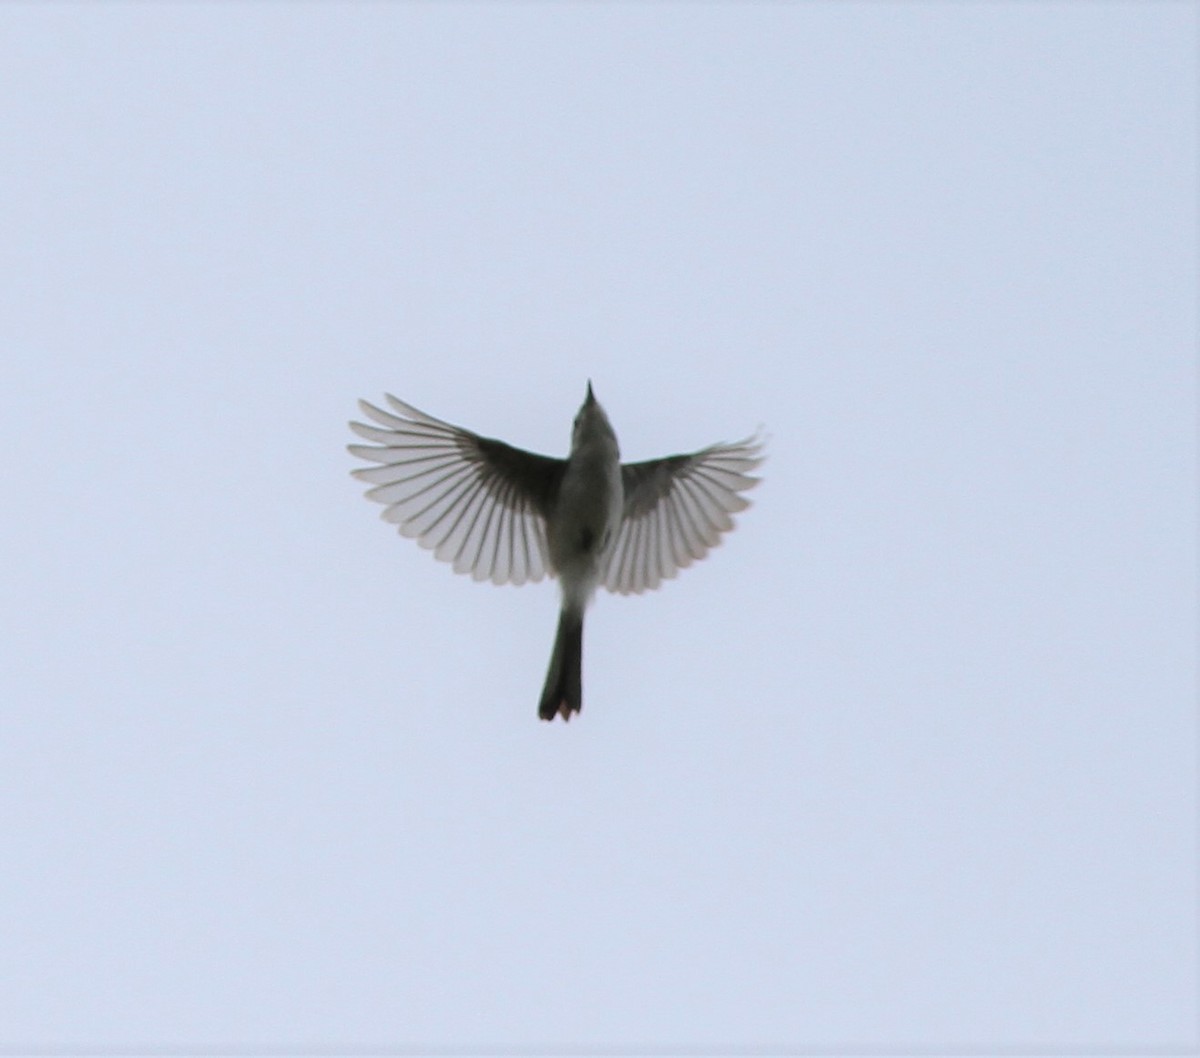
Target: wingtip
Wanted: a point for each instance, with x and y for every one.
(755, 445)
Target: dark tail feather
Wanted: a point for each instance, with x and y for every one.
(563, 693)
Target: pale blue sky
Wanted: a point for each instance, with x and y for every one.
(909, 761)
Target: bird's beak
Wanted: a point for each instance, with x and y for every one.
(591, 397)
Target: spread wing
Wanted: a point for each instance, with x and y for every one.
(473, 501)
(675, 510)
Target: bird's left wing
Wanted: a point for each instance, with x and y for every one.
(473, 501)
(676, 510)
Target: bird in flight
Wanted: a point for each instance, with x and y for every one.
(509, 516)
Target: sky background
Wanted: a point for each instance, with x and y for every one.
(908, 762)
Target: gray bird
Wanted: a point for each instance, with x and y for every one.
(510, 516)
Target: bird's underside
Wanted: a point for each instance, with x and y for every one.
(490, 510)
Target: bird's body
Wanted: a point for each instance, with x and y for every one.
(507, 515)
(579, 532)
(587, 510)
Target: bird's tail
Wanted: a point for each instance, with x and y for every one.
(563, 693)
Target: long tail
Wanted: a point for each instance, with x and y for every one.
(563, 693)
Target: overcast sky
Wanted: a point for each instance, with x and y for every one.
(908, 762)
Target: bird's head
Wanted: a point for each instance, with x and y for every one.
(592, 428)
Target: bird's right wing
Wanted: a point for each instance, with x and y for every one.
(676, 510)
(473, 501)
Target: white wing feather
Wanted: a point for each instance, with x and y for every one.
(676, 510)
(475, 502)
